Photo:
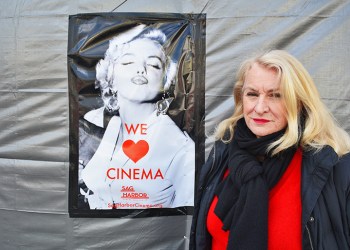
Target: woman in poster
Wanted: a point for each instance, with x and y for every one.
(144, 160)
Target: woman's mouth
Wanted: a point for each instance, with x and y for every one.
(139, 80)
(260, 121)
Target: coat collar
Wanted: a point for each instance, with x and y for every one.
(316, 168)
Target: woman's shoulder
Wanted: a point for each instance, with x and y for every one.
(165, 124)
(324, 157)
(221, 145)
(343, 166)
(166, 120)
(341, 173)
(326, 162)
(340, 168)
(219, 150)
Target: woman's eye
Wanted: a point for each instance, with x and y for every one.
(156, 66)
(126, 63)
(275, 95)
(154, 63)
(252, 94)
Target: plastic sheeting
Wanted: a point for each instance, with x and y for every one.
(34, 104)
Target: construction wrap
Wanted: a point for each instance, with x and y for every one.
(134, 79)
(35, 164)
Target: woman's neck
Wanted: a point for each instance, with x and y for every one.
(134, 112)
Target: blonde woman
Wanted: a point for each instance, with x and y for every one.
(278, 176)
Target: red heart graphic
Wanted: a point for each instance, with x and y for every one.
(135, 151)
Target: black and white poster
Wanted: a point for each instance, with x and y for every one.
(136, 91)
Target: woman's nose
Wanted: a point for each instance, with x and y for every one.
(261, 105)
(141, 69)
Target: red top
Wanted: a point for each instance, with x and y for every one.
(284, 221)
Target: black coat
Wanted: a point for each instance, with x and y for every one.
(325, 198)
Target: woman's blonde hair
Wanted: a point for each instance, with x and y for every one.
(302, 101)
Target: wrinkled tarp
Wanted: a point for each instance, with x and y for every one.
(34, 104)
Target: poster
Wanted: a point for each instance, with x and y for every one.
(136, 93)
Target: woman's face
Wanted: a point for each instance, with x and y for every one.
(139, 72)
(263, 108)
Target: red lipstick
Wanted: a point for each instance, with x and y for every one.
(260, 120)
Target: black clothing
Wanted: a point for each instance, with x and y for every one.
(325, 198)
(243, 197)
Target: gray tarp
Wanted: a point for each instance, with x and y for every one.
(34, 104)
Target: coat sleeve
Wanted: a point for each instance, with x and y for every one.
(342, 181)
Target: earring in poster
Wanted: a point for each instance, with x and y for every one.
(163, 105)
(113, 100)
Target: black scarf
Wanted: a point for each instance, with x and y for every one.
(243, 195)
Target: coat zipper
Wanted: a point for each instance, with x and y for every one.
(309, 235)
